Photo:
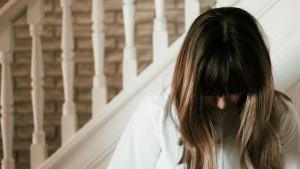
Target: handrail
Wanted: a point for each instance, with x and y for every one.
(11, 11)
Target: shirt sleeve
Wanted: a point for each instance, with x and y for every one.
(138, 147)
(290, 138)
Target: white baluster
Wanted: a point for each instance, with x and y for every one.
(7, 119)
(192, 11)
(38, 148)
(160, 34)
(69, 118)
(98, 36)
(129, 60)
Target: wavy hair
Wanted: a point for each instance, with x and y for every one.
(225, 52)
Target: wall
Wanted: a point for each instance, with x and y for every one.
(84, 67)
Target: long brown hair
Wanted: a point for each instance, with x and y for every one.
(224, 52)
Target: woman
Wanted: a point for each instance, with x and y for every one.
(222, 110)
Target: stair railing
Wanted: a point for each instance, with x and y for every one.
(7, 108)
(9, 13)
(12, 10)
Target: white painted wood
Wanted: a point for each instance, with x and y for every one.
(38, 148)
(192, 11)
(11, 11)
(129, 59)
(7, 109)
(221, 3)
(99, 90)
(286, 62)
(160, 34)
(101, 159)
(69, 117)
(278, 32)
(294, 93)
(256, 7)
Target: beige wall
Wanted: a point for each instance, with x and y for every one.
(84, 67)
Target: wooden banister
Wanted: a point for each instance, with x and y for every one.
(11, 11)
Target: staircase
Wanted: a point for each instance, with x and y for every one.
(92, 146)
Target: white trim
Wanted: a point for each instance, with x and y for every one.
(260, 7)
(103, 153)
(221, 3)
(286, 67)
(286, 50)
(264, 7)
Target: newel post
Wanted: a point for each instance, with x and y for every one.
(7, 109)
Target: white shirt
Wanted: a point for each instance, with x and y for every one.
(150, 140)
